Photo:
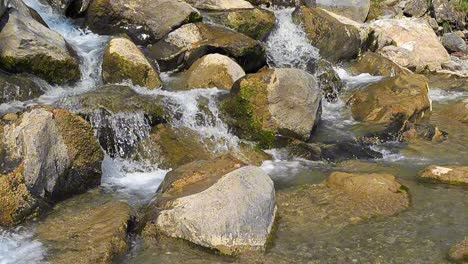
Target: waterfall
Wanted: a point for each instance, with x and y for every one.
(288, 46)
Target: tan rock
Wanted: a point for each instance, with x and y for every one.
(222, 5)
(123, 60)
(378, 65)
(213, 70)
(459, 252)
(446, 174)
(403, 96)
(410, 42)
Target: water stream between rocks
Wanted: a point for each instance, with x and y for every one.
(422, 234)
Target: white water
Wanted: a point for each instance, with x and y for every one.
(354, 81)
(88, 46)
(439, 95)
(19, 247)
(288, 46)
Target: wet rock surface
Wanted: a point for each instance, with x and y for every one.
(445, 174)
(17, 88)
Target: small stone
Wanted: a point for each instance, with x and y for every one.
(454, 43)
(10, 117)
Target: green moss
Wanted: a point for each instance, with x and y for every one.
(256, 23)
(248, 112)
(46, 67)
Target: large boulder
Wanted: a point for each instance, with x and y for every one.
(27, 46)
(213, 70)
(144, 21)
(90, 228)
(404, 97)
(274, 102)
(409, 42)
(341, 200)
(123, 60)
(416, 8)
(59, 152)
(445, 174)
(256, 23)
(218, 204)
(354, 9)
(185, 45)
(46, 155)
(335, 39)
(377, 65)
(220, 5)
(17, 88)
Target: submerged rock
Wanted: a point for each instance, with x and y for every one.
(213, 70)
(124, 61)
(256, 23)
(404, 97)
(341, 200)
(274, 102)
(27, 46)
(185, 45)
(87, 229)
(446, 174)
(417, 49)
(335, 39)
(459, 252)
(457, 111)
(144, 21)
(218, 204)
(17, 88)
(377, 65)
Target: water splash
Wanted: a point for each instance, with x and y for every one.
(439, 95)
(288, 46)
(88, 46)
(18, 246)
(354, 81)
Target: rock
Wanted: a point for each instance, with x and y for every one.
(329, 81)
(182, 47)
(417, 49)
(221, 5)
(354, 9)
(404, 97)
(378, 65)
(26, 46)
(445, 11)
(218, 204)
(59, 154)
(73, 8)
(459, 252)
(87, 229)
(274, 101)
(332, 152)
(256, 23)
(336, 40)
(415, 8)
(145, 22)
(113, 99)
(458, 111)
(16, 201)
(17, 88)
(341, 200)
(454, 43)
(445, 174)
(213, 70)
(124, 61)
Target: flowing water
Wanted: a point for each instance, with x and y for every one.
(422, 234)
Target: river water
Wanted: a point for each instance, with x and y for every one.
(422, 234)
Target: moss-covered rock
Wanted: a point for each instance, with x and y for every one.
(124, 61)
(90, 228)
(378, 65)
(256, 23)
(329, 81)
(404, 97)
(144, 21)
(17, 88)
(213, 70)
(27, 46)
(335, 39)
(182, 47)
(273, 102)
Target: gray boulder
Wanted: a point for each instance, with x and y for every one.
(27, 46)
(454, 43)
(144, 21)
(416, 8)
(229, 208)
